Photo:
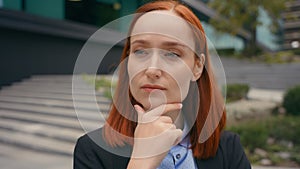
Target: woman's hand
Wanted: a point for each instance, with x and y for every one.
(154, 136)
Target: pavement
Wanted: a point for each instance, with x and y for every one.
(271, 95)
(259, 104)
(270, 167)
(261, 75)
(15, 157)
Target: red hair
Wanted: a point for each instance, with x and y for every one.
(117, 126)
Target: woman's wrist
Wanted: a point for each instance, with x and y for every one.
(138, 163)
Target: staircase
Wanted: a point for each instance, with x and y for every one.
(38, 113)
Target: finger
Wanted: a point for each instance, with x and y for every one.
(171, 126)
(156, 98)
(140, 111)
(177, 133)
(166, 119)
(162, 109)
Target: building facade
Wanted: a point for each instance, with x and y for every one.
(46, 36)
(291, 25)
(100, 12)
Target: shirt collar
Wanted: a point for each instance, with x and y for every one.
(185, 140)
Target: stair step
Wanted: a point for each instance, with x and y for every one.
(39, 129)
(63, 77)
(83, 98)
(54, 84)
(53, 111)
(37, 142)
(51, 89)
(51, 120)
(54, 103)
(16, 157)
(57, 78)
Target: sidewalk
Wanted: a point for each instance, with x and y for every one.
(261, 167)
(259, 103)
(266, 95)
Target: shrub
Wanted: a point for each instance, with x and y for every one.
(291, 101)
(296, 157)
(101, 83)
(236, 92)
(278, 57)
(253, 134)
(283, 129)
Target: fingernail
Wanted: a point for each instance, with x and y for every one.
(180, 105)
(137, 108)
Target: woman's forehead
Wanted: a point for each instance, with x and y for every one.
(150, 39)
(167, 24)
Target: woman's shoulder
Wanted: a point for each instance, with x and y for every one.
(92, 151)
(230, 142)
(232, 150)
(228, 137)
(90, 138)
(94, 141)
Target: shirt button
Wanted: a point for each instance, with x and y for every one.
(178, 156)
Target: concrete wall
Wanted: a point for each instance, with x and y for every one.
(29, 48)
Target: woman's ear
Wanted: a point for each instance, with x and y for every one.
(198, 67)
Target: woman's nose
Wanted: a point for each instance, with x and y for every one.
(153, 72)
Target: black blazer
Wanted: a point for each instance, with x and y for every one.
(88, 155)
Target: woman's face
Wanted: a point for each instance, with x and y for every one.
(161, 63)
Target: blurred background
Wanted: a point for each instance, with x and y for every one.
(258, 43)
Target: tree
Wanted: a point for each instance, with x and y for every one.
(235, 15)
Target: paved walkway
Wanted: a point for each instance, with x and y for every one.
(262, 167)
(262, 75)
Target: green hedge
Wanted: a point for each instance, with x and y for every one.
(236, 92)
(252, 134)
(283, 129)
(291, 101)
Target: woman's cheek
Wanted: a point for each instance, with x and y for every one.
(182, 79)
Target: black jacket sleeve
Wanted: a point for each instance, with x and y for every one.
(89, 153)
(236, 155)
(230, 154)
(84, 157)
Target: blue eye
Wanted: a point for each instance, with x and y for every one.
(140, 52)
(172, 54)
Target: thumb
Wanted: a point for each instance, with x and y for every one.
(140, 111)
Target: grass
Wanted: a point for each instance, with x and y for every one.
(279, 57)
(236, 92)
(101, 83)
(284, 130)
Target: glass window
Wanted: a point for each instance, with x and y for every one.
(91, 11)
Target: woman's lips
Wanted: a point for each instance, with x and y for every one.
(150, 88)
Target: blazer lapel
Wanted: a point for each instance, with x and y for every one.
(198, 163)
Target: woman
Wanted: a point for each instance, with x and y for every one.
(167, 110)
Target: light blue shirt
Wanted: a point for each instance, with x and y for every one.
(180, 156)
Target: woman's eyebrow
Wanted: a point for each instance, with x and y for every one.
(139, 42)
(167, 43)
(174, 44)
